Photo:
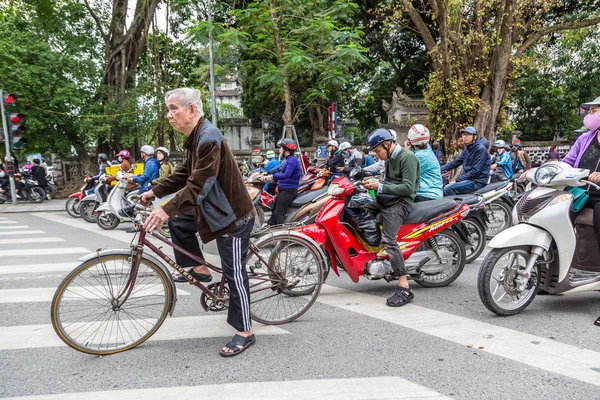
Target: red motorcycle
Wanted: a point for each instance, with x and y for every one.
(74, 203)
(432, 239)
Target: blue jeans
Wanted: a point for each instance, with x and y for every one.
(462, 187)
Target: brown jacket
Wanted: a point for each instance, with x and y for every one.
(211, 185)
(525, 160)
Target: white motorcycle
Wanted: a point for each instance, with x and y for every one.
(545, 250)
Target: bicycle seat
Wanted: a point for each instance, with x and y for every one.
(492, 186)
(470, 199)
(426, 210)
(307, 197)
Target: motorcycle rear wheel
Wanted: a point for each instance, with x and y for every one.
(449, 275)
(496, 283)
(107, 220)
(477, 234)
(36, 195)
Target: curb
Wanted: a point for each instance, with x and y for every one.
(54, 205)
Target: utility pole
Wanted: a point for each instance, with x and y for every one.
(213, 100)
(7, 143)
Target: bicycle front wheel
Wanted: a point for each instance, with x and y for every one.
(89, 316)
(285, 273)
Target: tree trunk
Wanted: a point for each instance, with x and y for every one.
(287, 92)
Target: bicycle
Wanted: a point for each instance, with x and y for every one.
(116, 299)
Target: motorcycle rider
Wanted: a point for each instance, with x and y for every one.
(355, 158)
(475, 161)
(393, 202)
(151, 169)
(4, 180)
(523, 160)
(336, 160)
(38, 173)
(288, 181)
(430, 179)
(123, 158)
(501, 159)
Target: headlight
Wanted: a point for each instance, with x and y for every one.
(334, 189)
(546, 173)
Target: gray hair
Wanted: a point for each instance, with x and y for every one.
(187, 96)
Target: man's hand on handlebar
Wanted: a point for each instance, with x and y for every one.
(594, 177)
(146, 196)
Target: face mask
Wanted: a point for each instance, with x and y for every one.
(592, 121)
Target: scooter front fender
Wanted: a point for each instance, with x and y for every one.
(79, 195)
(522, 235)
(103, 207)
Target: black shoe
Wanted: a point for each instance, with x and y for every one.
(402, 297)
(198, 276)
(131, 230)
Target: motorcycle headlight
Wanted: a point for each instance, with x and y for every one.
(546, 173)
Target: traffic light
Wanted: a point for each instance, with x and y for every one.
(10, 100)
(15, 121)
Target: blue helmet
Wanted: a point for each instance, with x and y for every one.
(377, 137)
(470, 129)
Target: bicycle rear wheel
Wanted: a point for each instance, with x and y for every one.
(285, 273)
(85, 310)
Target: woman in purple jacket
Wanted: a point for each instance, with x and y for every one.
(287, 180)
(585, 153)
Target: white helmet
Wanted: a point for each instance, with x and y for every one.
(418, 134)
(333, 143)
(393, 133)
(163, 149)
(344, 146)
(147, 149)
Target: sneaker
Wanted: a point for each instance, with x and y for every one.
(402, 297)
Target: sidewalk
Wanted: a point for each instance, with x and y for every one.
(27, 207)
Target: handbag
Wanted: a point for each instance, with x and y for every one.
(580, 195)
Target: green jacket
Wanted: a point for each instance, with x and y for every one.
(402, 172)
(166, 170)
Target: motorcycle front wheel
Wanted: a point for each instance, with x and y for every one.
(498, 284)
(73, 207)
(499, 218)
(36, 195)
(107, 220)
(86, 211)
(477, 236)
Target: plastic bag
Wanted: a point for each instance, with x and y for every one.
(365, 224)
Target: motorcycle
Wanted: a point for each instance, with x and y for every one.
(499, 206)
(430, 242)
(51, 189)
(109, 213)
(90, 203)
(31, 190)
(545, 250)
(74, 202)
(475, 223)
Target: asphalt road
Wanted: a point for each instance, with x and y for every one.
(348, 345)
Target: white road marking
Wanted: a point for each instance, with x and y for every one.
(382, 387)
(542, 353)
(209, 326)
(44, 252)
(6, 228)
(36, 268)
(22, 233)
(33, 295)
(8, 222)
(31, 240)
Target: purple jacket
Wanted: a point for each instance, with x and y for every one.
(573, 158)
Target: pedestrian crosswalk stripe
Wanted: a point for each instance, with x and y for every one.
(44, 252)
(8, 222)
(34, 232)
(207, 326)
(36, 268)
(380, 387)
(539, 352)
(31, 240)
(32, 295)
(5, 228)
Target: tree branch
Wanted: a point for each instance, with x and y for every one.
(420, 24)
(532, 39)
(97, 20)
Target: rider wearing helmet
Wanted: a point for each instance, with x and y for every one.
(430, 179)
(273, 160)
(475, 161)
(336, 160)
(355, 158)
(166, 167)
(123, 159)
(151, 169)
(394, 201)
(288, 181)
(503, 161)
(102, 165)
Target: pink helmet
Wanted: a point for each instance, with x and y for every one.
(124, 154)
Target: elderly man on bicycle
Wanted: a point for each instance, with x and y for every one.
(213, 201)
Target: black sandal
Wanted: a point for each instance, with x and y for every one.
(597, 322)
(235, 342)
(402, 297)
(177, 277)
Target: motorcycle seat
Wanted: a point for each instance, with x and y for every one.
(426, 210)
(585, 217)
(492, 186)
(470, 199)
(307, 197)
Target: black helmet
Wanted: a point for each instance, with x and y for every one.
(288, 144)
(103, 157)
(377, 137)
